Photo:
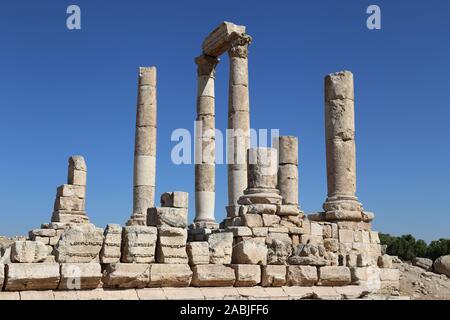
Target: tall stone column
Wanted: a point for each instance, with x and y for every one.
(341, 203)
(238, 136)
(288, 169)
(205, 141)
(145, 147)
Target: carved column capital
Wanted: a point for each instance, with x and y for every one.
(206, 65)
(239, 46)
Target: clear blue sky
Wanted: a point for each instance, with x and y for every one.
(74, 92)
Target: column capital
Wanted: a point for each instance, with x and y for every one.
(239, 46)
(206, 65)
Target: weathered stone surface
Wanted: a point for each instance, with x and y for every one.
(170, 275)
(331, 244)
(247, 275)
(28, 251)
(139, 244)
(171, 247)
(80, 276)
(79, 244)
(220, 247)
(261, 208)
(262, 168)
(198, 252)
(423, 263)
(68, 190)
(177, 199)
(126, 275)
(368, 277)
(240, 231)
(213, 275)
(334, 276)
(250, 252)
(301, 275)
(270, 220)
(273, 276)
(111, 249)
(69, 204)
(385, 261)
(77, 171)
(167, 216)
(389, 274)
(442, 265)
(252, 220)
(42, 233)
(279, 248)
(218, 41)
(32, 276)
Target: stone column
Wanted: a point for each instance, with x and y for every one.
(262, 177)
(205, 141)
(288, 169)
(145, 147)
(341, 203)
(238, 137)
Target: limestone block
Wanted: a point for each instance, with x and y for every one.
(317, 229)
(247, 275)
(168, 216)
(270, 220)
(218, 41)
(170, 275)
(171, 246)
(42, 233)
(250, 252)
(213, 275)
(177, 199)
(334, 276)
(442, 265)
(198, 252)
(364, 260)
(351, 260)
(307, 238)
(28, 251)
(374, 237)
(32, 276)
(331, 244)
(273, 276)
(240, 231)
(80, 243)
(252, 220)
(44, 240)
(69, 204)
(423, 263)
(139, 244)
(80, 276)
(385, 261)
(69, 217)
(301, 275)
(68, 190)
(262, 208)
(346, 236)
(77, 177)
(260, 231)
(126, 275)
(111, 249)
(220, 247)
(279, 248)
(288, 209)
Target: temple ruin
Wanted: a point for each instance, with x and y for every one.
(265, 240)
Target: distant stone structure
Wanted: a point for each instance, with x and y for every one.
(265, 239)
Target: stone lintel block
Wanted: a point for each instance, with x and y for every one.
(80, 276)
(213, 275)
(247, 275)
(218, 41)
(170, 275)
(334, 276)
(69, 190)
(177, 199)
(273, 276)
(32, 276)
(126, 275)
(167, 216)
(303, 276)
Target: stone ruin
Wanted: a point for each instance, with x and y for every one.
(265, 240)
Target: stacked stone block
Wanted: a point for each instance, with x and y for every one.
(112, 242)
(70, 203)
(139, 244)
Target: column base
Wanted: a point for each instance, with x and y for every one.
(343, 208)
(137, 219)
(260, 196)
